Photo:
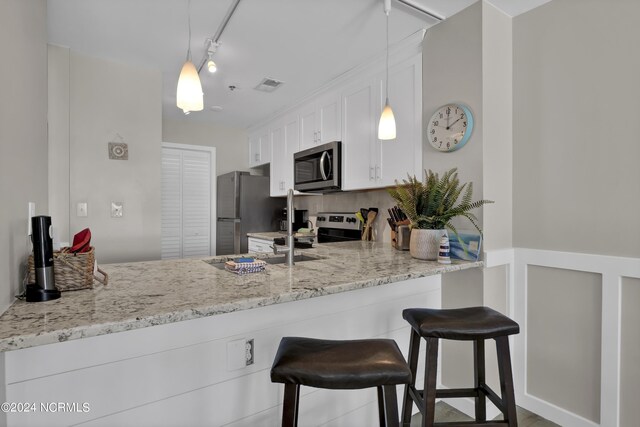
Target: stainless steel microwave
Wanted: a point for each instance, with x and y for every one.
(318, 169)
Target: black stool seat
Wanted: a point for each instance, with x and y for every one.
(330, 364)
(469, 323)
(475, 324)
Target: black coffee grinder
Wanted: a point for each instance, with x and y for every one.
(45, 288)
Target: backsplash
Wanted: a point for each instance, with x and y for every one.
(351, 201)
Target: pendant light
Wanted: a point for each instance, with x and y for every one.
(387, 124)
(189, 93)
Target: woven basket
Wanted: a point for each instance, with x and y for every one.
(72, 272)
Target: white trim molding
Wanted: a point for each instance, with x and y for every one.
(613, 270)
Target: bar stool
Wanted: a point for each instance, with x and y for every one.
(353, 364)
(463, 324)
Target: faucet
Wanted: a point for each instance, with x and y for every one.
(289, 239)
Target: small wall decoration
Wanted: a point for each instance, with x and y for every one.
(471, 241)
(118, 150)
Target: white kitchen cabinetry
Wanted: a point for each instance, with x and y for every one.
(260, 245)
(368, 161)
(259, 148)
(285, 137)
(358, 131)
(320, 120)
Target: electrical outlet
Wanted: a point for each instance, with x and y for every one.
(249, 352)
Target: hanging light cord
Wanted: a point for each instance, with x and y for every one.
(387, 83)
(189, 22)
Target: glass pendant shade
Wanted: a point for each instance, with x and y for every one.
(189, 94)
(387, 124)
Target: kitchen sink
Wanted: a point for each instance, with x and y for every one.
(296, 258)
(272, 260)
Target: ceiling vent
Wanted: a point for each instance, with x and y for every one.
(269, 85)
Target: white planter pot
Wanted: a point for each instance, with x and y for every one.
(425, 244)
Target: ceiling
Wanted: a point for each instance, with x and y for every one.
(305, 43)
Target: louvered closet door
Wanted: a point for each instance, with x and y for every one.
(186, 203)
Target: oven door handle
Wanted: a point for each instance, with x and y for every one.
(325, 176)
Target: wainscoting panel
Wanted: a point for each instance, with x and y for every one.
(578, 315)
(563, 338)
(630, 352)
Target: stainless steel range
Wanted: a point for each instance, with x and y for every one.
(338, 227)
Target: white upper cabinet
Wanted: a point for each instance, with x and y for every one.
(403, 155)
(285, 137)
(358, 131)
(259, 147)
(368, 161)
(320, 120)
(349, 111)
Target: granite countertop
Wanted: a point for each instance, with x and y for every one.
(267, 235)
(142, 294)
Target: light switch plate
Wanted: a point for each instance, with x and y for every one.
(116, 209)
(82, 209)
(32, 213)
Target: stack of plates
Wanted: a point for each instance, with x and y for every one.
(245, 266)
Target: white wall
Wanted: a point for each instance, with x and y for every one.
(576, 198)
(58, 116)
(576, 150)
(107, 99)
(452, 72)
(23, 133)
(231, 143)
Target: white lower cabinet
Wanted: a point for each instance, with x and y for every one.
(183, 374)
(260, 245)
(368, 161)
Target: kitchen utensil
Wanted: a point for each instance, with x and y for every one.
(371, 216)
(403, 237)
(391, 224)
(360, 217)
(364, 213)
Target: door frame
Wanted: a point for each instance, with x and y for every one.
(214, 185)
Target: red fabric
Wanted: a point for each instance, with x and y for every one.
(81, 242)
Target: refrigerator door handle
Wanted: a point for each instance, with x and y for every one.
(236, 237)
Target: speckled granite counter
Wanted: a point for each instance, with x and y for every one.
(151, 293)
(268, 235)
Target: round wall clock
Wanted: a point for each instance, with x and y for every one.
(450, 127)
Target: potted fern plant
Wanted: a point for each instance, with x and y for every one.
(431, 206)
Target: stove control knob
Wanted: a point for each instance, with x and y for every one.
(351, 220)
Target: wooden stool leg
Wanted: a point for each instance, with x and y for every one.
(430, 376)
(479, 379)
(388, 401)
(381, 414)
(290, 405)
(506, 380)
(407, 402)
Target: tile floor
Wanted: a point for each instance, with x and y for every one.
(446, 413)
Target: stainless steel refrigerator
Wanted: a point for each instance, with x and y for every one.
(244, 206)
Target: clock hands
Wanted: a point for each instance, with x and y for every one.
(454, 123)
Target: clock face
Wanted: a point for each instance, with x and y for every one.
(450, 127)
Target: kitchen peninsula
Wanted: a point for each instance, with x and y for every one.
(96, 346)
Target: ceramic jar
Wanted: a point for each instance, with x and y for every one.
(424, 244)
